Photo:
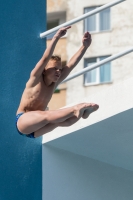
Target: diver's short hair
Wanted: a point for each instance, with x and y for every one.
(55, 57)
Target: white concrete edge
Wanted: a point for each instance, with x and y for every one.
(113, 100)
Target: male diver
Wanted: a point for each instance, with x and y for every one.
(32, 117)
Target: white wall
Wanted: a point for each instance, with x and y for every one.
(70, 176)
(116, 40)
(93, 159)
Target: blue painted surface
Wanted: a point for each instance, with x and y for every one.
(20, 48)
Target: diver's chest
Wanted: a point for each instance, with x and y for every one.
(41, 90)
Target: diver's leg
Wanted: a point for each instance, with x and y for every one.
(34, 120)
(68, 122)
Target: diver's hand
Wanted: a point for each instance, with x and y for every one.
(61, 32)
(87, 39)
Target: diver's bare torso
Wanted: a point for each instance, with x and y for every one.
(36, 95)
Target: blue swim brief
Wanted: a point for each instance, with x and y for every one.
(31, 135)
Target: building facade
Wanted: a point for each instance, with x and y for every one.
(111, 32)
(56, 15)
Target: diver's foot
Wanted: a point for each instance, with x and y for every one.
(91, 108)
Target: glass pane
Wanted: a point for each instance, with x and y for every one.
(51, 25)
(104, 20)
(90, 22)
(105, 72)
(90, 77)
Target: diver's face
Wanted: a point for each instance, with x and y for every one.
(53, 70)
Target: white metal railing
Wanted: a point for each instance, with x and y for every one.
(97, 10)
(94, 66)
(102, 62)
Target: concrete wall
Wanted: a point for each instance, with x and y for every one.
(56, 5)
(117, 39)
(60, 48)
(20, 48)
(70, 176)
(58, 100)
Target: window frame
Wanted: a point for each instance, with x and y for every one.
(97, 22)
(59, 16)
(97, 72)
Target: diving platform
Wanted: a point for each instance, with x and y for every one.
(93, 159)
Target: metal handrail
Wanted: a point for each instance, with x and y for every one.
(94, 66)
(97, 10)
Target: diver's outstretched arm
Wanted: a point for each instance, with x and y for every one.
(39, 68)
(86, 41)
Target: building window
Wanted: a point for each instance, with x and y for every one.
(99, 75)
(50, 25)
(98, 22)
(53, 20)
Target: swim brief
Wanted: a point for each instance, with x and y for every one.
(31, 135)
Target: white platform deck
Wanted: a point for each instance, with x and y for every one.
(107, 135)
